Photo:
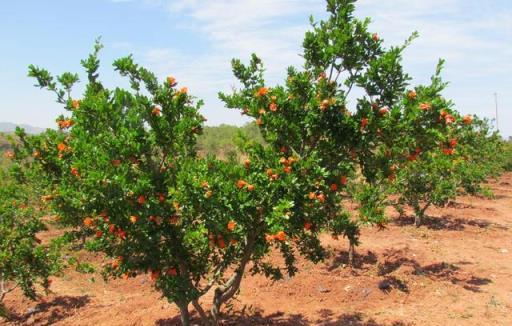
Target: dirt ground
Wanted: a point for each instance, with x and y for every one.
(454, 270)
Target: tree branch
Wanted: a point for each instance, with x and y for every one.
(4, 291)
(202, 313)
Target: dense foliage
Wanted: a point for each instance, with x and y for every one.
(124, 170)
(400, 140)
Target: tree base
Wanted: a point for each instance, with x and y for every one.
(417, 221)
(351, 253)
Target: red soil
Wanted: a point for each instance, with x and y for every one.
(454, 270)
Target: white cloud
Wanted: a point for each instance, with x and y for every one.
(474, 36)
(239, 28)
(233, 29)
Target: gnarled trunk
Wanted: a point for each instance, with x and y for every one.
(227, 291)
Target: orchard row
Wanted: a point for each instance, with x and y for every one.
(123, 171)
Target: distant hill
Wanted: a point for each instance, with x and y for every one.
(9, 127)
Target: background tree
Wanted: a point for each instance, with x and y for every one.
(25, 262)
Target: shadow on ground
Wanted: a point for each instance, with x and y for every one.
(360, 260)
(326, 318)
(50, 312)
(392, 260)
(451, 272)
(448, 222)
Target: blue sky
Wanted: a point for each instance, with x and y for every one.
(195, 40)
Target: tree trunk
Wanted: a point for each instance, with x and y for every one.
(224, 293)
(417, 214)
(204, 318)
(351, 252)
(217, 302)
(417, 220)
(185, 314)
(420, 214)
(228, 290)
(400, 210)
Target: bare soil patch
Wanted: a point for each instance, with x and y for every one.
(454, 270)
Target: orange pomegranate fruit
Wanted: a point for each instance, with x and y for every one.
(89, 222)
(231, 225)
(171, 81)
(281, 236)
(425, 106)
(262, 92)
